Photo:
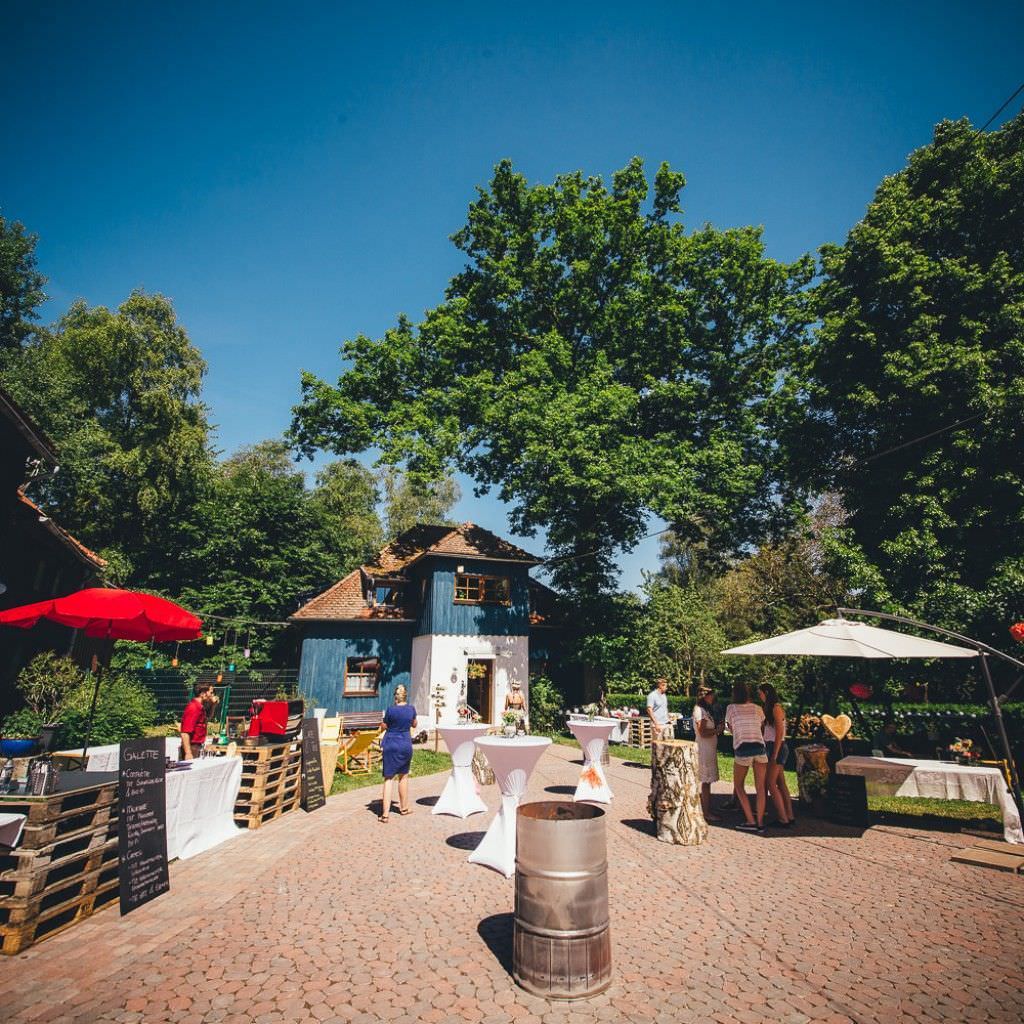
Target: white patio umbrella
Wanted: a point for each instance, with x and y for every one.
(841, 638)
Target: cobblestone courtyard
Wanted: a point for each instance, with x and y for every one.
(333, 917)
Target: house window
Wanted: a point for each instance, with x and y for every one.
(482, 590)
(362, 676)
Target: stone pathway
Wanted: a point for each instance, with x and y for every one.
(333, 917)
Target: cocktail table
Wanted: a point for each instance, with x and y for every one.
(459, 796)
(592, 736)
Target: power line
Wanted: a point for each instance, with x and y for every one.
(916, 440)
(1016, 93)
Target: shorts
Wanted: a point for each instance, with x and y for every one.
(748, 753)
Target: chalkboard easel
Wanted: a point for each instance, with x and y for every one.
(313, 795)
(846, 800)
(142, 822)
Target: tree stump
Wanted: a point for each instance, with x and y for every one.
(812, 772)
(674, 802)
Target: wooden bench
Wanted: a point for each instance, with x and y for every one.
(360, 721)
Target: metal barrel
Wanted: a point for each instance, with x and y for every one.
(562, 944)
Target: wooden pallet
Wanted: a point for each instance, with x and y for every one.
(27, 883)
(71, 827)
(52, 863)
(640, 733)
(18, 910)
(14, 937)
(255, 815)
(264, 787)
(43, 810)
(269, 757)
(269, 769)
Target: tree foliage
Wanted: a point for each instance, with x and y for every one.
(922, 333)
(409, 500)
(21, 286)
(593, 362)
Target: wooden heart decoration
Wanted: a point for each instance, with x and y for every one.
(838, 726)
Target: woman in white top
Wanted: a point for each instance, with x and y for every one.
(745, 721)
(778, 752)
(707, 748)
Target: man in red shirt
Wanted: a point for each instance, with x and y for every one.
(193, 720)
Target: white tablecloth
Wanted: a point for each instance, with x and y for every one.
(620, 732)
(459, 796)
(11, 826)
(942, 780)
(592, 736)
(107, 758)
(201, 805)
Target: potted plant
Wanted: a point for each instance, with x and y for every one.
(509, 723)
(20, 733)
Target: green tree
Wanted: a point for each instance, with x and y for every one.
(593, 362)
(119, 392)
(344, 504)
(914, 387)
(21, 286)
(409, 500)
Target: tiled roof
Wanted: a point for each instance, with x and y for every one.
(345, 599)
(87, 556)
(466, 539)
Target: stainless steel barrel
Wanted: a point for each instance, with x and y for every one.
(562, 946)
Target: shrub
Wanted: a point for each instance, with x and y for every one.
(547, 706)
(676, 703)
(22, 724)
(124, 710)
(46, 681)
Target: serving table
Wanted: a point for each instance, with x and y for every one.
(592, 736)
(201, 805)
(512, 760)
(896, 776)
(459, 796)
(107, 757)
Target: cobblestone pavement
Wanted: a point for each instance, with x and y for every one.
(332, 917)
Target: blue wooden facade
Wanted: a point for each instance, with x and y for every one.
(440, 615)
(325, 650)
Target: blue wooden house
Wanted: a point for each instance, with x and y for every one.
(449, 609)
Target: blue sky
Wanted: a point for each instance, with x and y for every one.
(289, 174)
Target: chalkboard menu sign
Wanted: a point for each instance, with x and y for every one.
(312, 773)
(846, 801)
(142, 822)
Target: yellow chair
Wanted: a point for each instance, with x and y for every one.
(331, 730)
(356, 757)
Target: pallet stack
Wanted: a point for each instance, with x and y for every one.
(66, 867)
(640, 732)
(271, 783)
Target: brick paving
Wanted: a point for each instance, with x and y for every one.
(332, 917)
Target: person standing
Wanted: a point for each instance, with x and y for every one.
(778, 753)
(515, 701)
(657, 711)
(399, 723)
(745, 721)
(194, 719)
(707, 730)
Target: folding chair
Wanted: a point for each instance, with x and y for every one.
(356, 757)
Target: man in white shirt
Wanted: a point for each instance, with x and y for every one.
(657, 711)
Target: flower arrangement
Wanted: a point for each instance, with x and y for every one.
(591, 711)
(510, 717)
(476, 670)
(964, 750)
(624, 713)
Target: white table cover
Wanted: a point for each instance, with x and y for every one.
(459, 796)
(11, 827)
(201, 805)
(592, 736)
(894, 776)
(620, 729)
(107, 758)
(512, 761)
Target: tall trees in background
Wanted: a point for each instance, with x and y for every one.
(21, 286)
(922, 333)
(593, 363)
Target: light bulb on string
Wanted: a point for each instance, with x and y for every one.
(209, 639)
(174, 660)
(247, 653)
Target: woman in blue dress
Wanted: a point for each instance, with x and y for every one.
(399, 723)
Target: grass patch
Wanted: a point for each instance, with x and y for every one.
(424, 762)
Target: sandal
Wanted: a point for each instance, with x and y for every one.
(404, 812)
(382, 817)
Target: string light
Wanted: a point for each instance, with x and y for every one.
(174, 660)
(209, 639)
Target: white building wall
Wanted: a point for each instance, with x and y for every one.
(442, 660)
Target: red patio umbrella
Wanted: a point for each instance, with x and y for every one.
(112, 615)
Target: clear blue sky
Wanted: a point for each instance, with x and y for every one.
(289, 174)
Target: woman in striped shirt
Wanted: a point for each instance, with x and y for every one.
(746, 721)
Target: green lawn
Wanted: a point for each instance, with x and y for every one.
(424, 762)
(911, 807)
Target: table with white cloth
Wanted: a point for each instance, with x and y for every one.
(201, 805)
(459, 796)
(107, 757)
(620, 728)
(592, 736)
(512, 760)
(941, 780)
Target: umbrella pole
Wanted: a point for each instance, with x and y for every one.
(997, 714)
(92, 710)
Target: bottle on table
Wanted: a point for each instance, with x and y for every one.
(7, 776)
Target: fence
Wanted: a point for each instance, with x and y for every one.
(236, 690)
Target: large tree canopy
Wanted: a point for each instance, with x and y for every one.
(922, 328)
(593, 362)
